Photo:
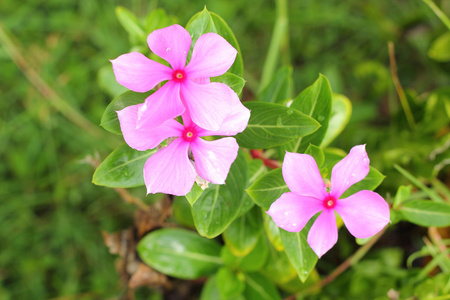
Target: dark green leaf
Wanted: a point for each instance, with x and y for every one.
(272, 124)
(219, 205)
(268, 188)
(315, 102)
(181, 211)
(235, 82)
(110, 121)
(122, 168)
(426, 213)
(280, 88)
(180, 253)
(259, 287)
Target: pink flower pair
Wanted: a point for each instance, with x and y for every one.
(207, 109)
(364, 213)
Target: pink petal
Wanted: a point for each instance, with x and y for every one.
(212, 56)
(138, 73)
(145, 139)
(213, 159)
(169, 170)
(350, 170)
(171, 44)
(364, 213)
(291, 212)
(302, 176)
(236, 121)
(323, 233)
(208, 104)
(161, 106)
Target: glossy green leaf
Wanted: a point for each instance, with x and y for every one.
(268, 188)
(204, 22)
(110, 121)
(130, 22)
(122, 168)
(279, 88)
(235, 82)
(299, 252)
(219, 205)
(440, 48)
(243, 233)
(180, 253)
(315, 102)
(181, 211)
(194, 194)
(317, 154)
(272, 124)
(229, 283)
(370, 182)
(259, 287)
(341, 111)
(426, 213)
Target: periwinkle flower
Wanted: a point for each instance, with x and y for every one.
(364, 213)
(188, 87)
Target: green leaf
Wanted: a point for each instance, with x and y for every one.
(157, 19)
(315, 102)
(341, 111)
(210, 290)
(180, 253)
(131, 24)
(370, 182)
(272, 232)
(122, 168)
(235, 82)
(278, 267)
(256, 168)
(243, 233)
(110, 121)
(402, 195)
(256, 259)
(181, 211)
(280, 88)
(194, 194)
(440, 48)
(426, 213)
(108, 83)
(299, 252)
(430, 193)
(268, 188)
(317, 154)
(272, 124)
(229, 283)
(204, 22)
(219, 205)
(259, 287)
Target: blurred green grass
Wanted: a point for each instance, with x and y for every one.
(51, 216)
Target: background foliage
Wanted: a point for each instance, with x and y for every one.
(53, 55)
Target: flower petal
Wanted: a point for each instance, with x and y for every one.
(350, 170)
(323, 233)
(302, 176)
(171, 44)
(236, 121)
(208, 104)
(213, 159)
(163, 105)
(169, 170)
(291, 212)
(364, 213)
(212, 56)
(138, 73)
(144, 139)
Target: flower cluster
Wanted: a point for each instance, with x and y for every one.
(364, 213)
(207, 109)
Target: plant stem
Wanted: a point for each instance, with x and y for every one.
(279, 44)
(398, 87)
(439, 13)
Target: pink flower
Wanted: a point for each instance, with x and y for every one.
(170, 170)
(364, 213)
(188, 87)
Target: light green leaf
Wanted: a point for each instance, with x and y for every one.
(157, 19)
(272, 232)
(315, 102)
(426, 213)
(131, 24)
(402, 195)
(122, 168)
(268, 188)
(219, 205)
(278, 267)
(272, 124)
(110, 121)
(280, 88)
(235, 82)
(180, 253)
(194, 194)
(341, 111)
(259, 287)
(107, 82)
(440, 48)
(229, 283)
(317, 154)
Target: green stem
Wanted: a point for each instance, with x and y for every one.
(439, 13)
(279, 44)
